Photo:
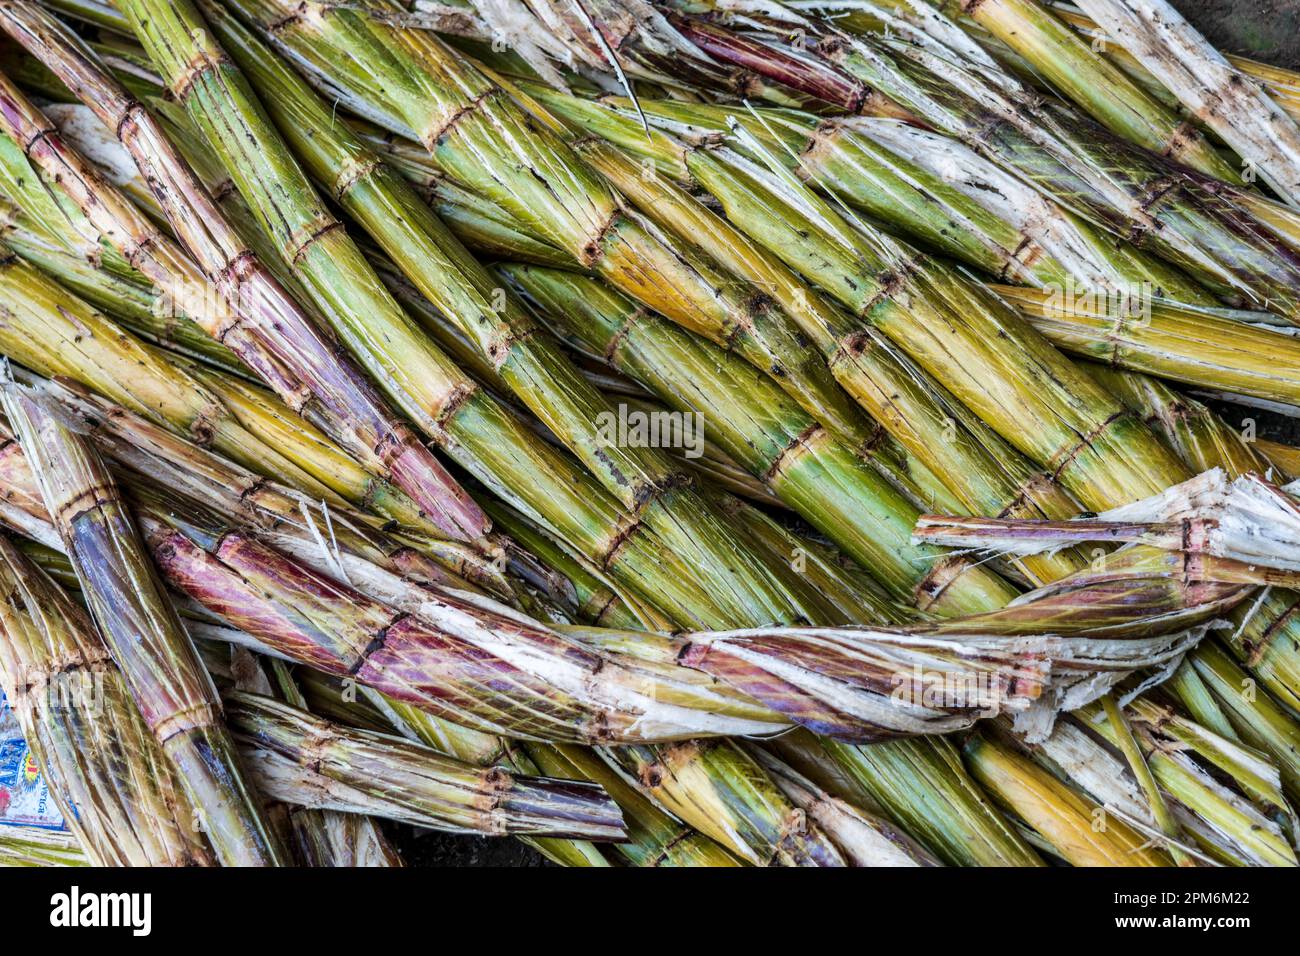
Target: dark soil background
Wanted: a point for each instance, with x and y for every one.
(1267, 30)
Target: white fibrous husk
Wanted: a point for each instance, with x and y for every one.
(1211, 88)
(1248, 519)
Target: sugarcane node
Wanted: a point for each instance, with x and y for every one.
(1067, 457)
(799, 444)
(316, 233)
(594, 249)
(202, 62)
(437, 136)
(1254, 650)
(353, 173)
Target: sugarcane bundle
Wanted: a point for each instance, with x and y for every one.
(768, 270)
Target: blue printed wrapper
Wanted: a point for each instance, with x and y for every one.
(25, 799)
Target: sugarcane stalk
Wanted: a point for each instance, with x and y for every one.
(1184, 343)
(131, 300)
(256, 310)
(1080, 73)
(947, 198)
(1256, 831)
(321, 838)
(978, 467)
(1251, 771)
(595, 599)
(923, 785)
(1201, 439)
(56, 334)
(300, 523)
(35, 846)
(1281, 84)
(801, 462)
(1078, 829)
(746, 812)
(1211, 89)
(1246, 522)
(864, 838)
(672, 208)
(581, 510)
(140, 627)
(443, 270)
(655, 838)
(402, 781)
(1261, 720)
(113, 783)
(1122, 734)
(1224, 826)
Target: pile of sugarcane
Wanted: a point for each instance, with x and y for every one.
(668, 432)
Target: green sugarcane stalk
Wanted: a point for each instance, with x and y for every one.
(283, 514)
(948, 198)
(56, 334)
(140, 626)
(1258, 839)
(1122, 734)
(1260, 719)
(746, 812)
(1223, 825)
(36, 846)
(1061, 816)
(984, 474)
(1200, 438)
(807, 467)
(948, 326)
(1253, 773)
(656, 839)
(586, 516)
(115, 787)
(132, 301)
(922, 785)
(1080, 73)
(1282, 85)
